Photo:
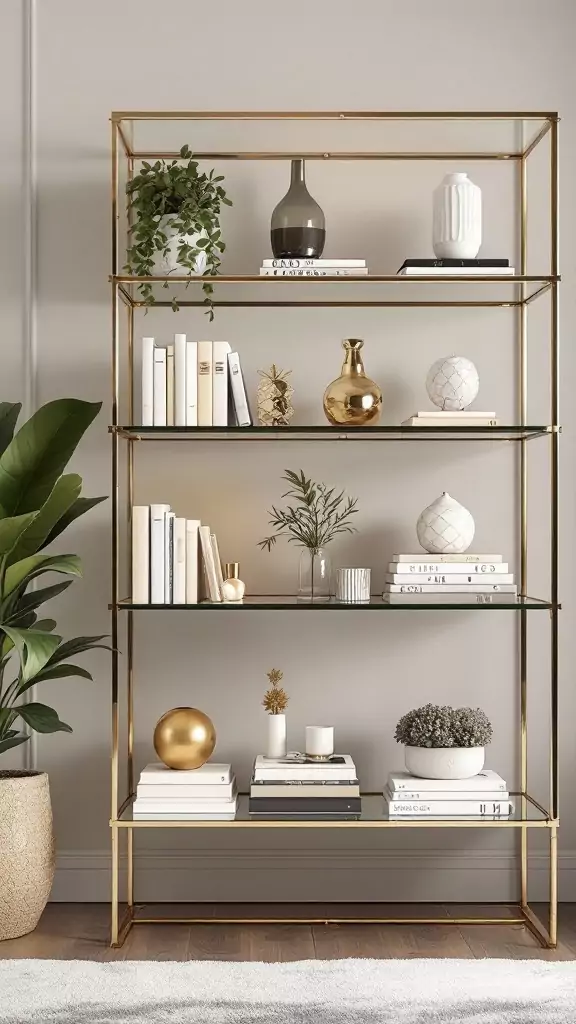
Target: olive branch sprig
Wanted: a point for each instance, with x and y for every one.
(316, 517)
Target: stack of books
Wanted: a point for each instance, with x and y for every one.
(458, 418)
(456, 268)
(192, 384)
(206, 793)
(485, 795)
(466, 578)
(166, 562)
(305, 267)
(284, 788)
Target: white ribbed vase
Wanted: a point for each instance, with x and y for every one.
(457, 218)
(353, 585)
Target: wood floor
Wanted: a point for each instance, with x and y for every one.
(80, 931)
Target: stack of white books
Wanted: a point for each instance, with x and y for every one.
(456, 268)
(305, 788)
(466, 577)
(306, 267)
(433, 418)
(192, 384)
(484, 795)
(206, 793)
(168, 554)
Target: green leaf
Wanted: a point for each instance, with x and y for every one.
(37, 454)
(63, 495)
(9, 412)
(11, 529)
(41, 718)
(35, 565)
(13, 741)
(77, 509)
(46, 625)
(61, 671)
(37, 597)
(35, 648)
(72, 647)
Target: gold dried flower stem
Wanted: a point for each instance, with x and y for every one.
(275, 699)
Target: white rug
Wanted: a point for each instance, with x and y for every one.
(307, 992)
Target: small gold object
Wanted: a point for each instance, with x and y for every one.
(233, 588)
(275, 407)
(353, 399)
(184, 738)
(275, 699)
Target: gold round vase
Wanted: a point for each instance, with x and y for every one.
(353, 399)
(184, 738)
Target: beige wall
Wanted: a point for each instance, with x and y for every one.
(358, 671)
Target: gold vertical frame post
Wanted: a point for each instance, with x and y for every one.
(115, 543)
(554, 526)
(130, 619)
(523, 498)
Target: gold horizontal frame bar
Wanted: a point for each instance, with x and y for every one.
(330, 920)
(330, 115)
(323, 156)
(368, 279)
(329, 304)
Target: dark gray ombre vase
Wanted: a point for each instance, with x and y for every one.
(297, 228)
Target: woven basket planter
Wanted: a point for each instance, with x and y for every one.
(26, 851)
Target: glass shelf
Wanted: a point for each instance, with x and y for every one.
(372, 290)
(325, 432)
(288, 602)
(374, 815)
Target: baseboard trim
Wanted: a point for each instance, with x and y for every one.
(356, 876)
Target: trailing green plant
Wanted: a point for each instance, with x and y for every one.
(172, 196)
(315, 517)
(37, 503)
(433, 726)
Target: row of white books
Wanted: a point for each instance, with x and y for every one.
(484, 795)
(288, 266)
(207, 793)
(167, 556)
(192, 384)
(467, 575)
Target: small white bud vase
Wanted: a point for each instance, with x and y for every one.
(276, 746)
(452, 383)
(457, 218)
(445, 527)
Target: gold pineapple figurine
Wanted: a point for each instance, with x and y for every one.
(275, 407)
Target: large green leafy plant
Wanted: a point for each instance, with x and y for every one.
(170, 197)
(37, 502)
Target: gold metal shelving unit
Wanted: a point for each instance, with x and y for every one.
(504, 137)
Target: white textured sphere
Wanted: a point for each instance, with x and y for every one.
(453, 383)
(445, 527)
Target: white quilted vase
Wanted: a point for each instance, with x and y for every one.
(452, 383)
(445, 527)
(457, 218)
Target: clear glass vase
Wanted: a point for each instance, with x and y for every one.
(314, 575)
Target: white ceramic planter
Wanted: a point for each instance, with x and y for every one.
(276, 736)
(444, 762)
(168, 263)
(445, 527)
(457, 218)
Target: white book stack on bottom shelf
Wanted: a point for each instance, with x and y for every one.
(460, 579)
(484, 795)
(207, 793)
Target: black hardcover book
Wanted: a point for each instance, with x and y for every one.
(312, 805)
(454, 263)
(298, 816)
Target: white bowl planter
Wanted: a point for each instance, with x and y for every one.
(444, 762)
(165, 264)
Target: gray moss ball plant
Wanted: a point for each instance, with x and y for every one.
(433, 726)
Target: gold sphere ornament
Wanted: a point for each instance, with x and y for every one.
(184, 738)
(353, 399)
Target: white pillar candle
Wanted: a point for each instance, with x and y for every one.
(319, 740)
